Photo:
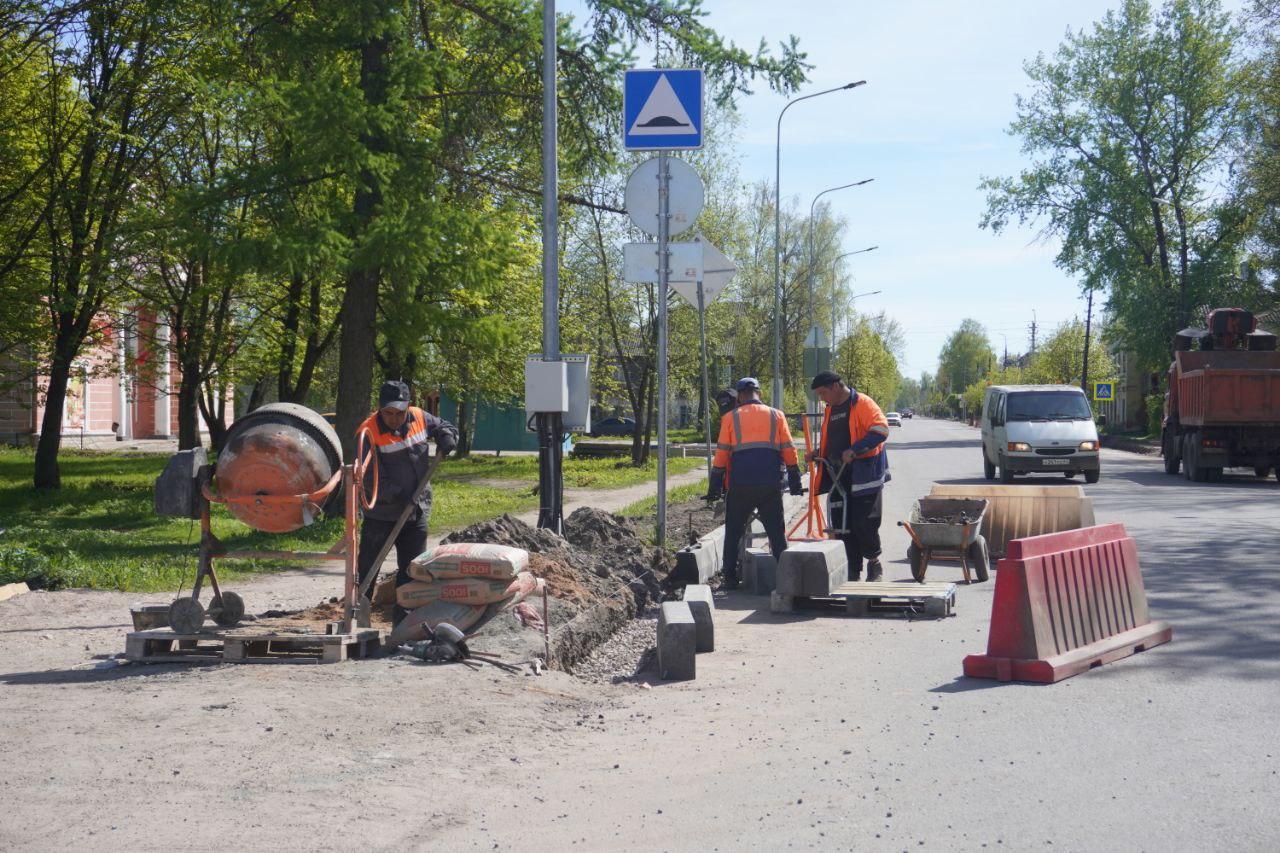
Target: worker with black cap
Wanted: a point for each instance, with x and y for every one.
(400, 432)
(755, 444)
(854, 430)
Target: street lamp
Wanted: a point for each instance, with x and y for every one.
(833, 295)
(777, 239)
(812, 207)
(852, 300)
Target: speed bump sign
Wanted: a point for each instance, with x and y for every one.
(1104, 391)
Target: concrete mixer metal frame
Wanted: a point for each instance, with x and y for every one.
(187, 615)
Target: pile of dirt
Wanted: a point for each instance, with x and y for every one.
(601, 574)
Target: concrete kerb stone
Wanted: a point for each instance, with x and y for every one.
(695, 564)
(698, 597)
(677, 641)
(812, 568)
(759, 571)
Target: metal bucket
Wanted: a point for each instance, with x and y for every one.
(281, 449)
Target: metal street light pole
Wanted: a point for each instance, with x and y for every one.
(812, 208)
(833, 295)
(777, 239)
(852, 300)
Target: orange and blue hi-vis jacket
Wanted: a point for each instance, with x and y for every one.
(755, 442)
(868, 430)
(403, 457)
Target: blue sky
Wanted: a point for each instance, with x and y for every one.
(941, 77)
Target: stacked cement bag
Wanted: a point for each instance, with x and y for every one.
(462, 583)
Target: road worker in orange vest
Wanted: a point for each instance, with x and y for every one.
(755, 444)
(854, 430)
(400, 433)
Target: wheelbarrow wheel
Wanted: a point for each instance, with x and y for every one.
(978, 558)
(915, 558)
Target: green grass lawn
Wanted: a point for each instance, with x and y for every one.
(100, 530)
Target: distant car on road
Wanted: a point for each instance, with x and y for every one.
(908, 413)
(894, 419)
(614, 426)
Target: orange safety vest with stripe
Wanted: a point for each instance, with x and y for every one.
(870, 467)
(755, 443)
(403, 457)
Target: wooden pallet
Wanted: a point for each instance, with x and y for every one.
(934, 600)
(240, 645)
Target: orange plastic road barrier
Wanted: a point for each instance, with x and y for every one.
(1064, 603)
(814, 521)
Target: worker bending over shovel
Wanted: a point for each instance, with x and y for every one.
(399, 432)
(854, 430)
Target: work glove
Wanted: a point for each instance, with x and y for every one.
(446, 443)
(793, 480)
(715, 487)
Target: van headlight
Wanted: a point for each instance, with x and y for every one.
(1088, 445)
(1019, 447)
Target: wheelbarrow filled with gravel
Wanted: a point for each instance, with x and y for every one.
(947, 529)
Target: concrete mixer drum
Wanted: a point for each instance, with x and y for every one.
(281, 450)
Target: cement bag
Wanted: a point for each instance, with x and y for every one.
(460, 616)
(461, 591)
(523, 586)
(469, 560)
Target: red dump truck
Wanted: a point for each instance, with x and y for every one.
(1222, 409)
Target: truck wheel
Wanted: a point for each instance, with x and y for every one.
(1006, 476)
(988, 467)
(979, 559)
(1214, 475)
(1261, 471)
(1092, 476)
(1172, 458)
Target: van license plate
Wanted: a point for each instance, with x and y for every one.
(1056, 461)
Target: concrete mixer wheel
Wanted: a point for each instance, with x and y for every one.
(227, 609)
(186, 616)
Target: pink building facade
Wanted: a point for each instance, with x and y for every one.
(126, 386)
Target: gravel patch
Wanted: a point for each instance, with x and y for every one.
(630, 655)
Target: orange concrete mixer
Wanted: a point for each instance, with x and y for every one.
(280, 469)
(281, 450)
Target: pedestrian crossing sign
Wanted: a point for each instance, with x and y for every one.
(1104, 392)
(662, 109)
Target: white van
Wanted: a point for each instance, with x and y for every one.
(1038, 428)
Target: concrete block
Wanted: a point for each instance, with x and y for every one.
(812, 568)
(695, 564)
(779, 603)
(698, 597)
(759, 571)
(677, 641)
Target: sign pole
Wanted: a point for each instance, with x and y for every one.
(706, 386)
(550, 429)
(664, 270)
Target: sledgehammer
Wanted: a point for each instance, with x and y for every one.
(363, 605)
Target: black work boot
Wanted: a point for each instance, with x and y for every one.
(874, 570)
(730, 582)
(855, 571)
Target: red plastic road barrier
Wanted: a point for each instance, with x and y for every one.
(1064, 603)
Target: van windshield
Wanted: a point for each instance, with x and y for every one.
(1048, 406)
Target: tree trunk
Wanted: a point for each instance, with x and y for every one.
(47, 473)
(360, 301)
(188, 407)
(213, 406)
(464, 430)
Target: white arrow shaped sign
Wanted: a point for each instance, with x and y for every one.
(717, 272)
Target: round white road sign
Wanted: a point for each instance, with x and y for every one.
(684, 188)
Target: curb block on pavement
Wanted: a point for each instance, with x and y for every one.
(677, 641)
(698, 597)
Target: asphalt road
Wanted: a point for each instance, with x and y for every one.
(800, 731)
(826, 732)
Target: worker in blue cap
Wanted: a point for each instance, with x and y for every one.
(755, 443)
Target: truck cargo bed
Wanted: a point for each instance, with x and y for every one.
(1228, 388)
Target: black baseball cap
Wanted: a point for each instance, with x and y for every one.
(825, 378)
(394, 395)
(747, 383)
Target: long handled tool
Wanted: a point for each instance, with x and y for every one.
(364, 606)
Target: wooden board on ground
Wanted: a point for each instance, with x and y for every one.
(241, 645)
(934, 600)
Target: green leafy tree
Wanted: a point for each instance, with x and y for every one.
(1060, 361)
(965, 357)
(1127, 127)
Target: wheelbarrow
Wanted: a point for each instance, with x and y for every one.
(947, 528)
